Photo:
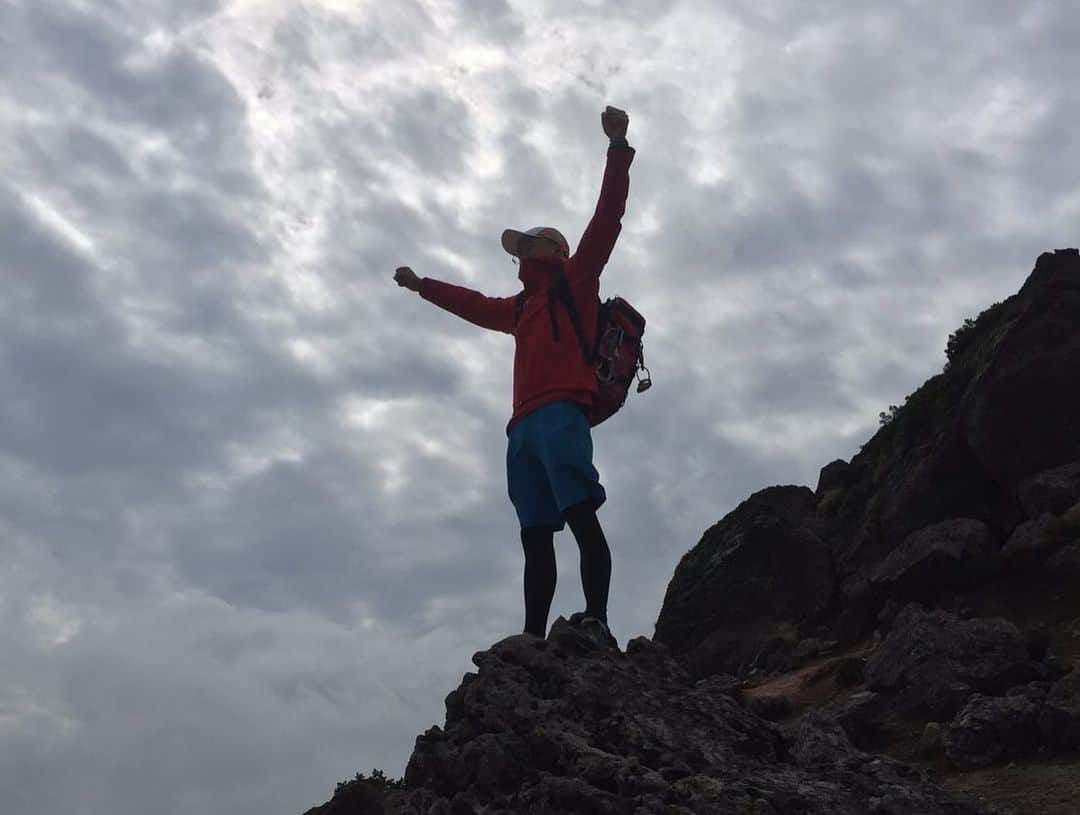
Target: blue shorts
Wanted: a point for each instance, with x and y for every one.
(549, 464)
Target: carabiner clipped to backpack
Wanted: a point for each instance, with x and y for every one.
(646, 383)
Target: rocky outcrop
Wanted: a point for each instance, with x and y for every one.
(968, 442)
(1051, 492)
(991, 728)
(959, 552)
(1029, 718)
(754, 576)
(920, 513)
(935, 661)
(566, 725)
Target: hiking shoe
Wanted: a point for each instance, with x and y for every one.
(597, 629)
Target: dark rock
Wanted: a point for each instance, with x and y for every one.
(819, 740)
(1033, 691)
(1063, 566)
(554, 726)
(956, 553)
(861, 715)
(1059, 720)
(358, 797)
(1038, 642)
(888, 613)
(848, 671)
(920, 482)
(836, 474)
(1051, 491)
(1006, 408)
(785, 656)
(990, 728)
(861, 603)
(1023, 415)
(772, 708)
(765, 564)
(725, 684)
(930, 741)
(935, 660)
(1034, 540)
(807, 648)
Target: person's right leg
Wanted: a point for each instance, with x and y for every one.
(595, 558)
(540, 577)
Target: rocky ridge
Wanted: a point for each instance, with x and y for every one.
(867, 646)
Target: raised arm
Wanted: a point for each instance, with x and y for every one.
(496, 313)
(600, 235)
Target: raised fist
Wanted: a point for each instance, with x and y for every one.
(407, 277)
(615, 122)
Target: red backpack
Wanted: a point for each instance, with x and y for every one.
(617, 352)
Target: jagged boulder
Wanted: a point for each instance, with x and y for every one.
(1059, 719)
(1034, 540)
(990, 728)
(860, 715)
(837, 474)
(1022, 415)
(763, 566)
(1051, 491)
(957, 553)
(920, 471)
(934, 661)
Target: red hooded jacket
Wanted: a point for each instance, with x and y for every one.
(547, 371)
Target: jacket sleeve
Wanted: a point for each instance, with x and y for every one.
(496, 313)
(599, 238)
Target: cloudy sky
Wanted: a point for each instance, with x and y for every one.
(253, 508)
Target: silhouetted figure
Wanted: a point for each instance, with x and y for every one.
(550, 475)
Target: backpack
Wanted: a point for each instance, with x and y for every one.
(617, 351)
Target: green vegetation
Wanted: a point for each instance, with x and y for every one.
(961, 338)
(377, 779)
(887, 416)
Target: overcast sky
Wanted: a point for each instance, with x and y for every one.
(253, 507)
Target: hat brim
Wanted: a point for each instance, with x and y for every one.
(511, 240)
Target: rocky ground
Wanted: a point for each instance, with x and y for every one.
(905, 638)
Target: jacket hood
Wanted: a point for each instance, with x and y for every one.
(536, 273)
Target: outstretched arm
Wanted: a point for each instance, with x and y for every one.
(599, 238)
(496, 313)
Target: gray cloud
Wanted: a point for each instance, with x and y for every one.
(253, 510)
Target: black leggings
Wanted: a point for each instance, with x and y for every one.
(540, 574)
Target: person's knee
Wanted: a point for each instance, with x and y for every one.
(581, 514)
(537, 538)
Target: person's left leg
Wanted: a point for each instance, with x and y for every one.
(540, 576)
(595, 557)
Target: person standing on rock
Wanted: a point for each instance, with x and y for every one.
(550, 475)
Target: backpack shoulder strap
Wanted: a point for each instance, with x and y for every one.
(561, 289)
